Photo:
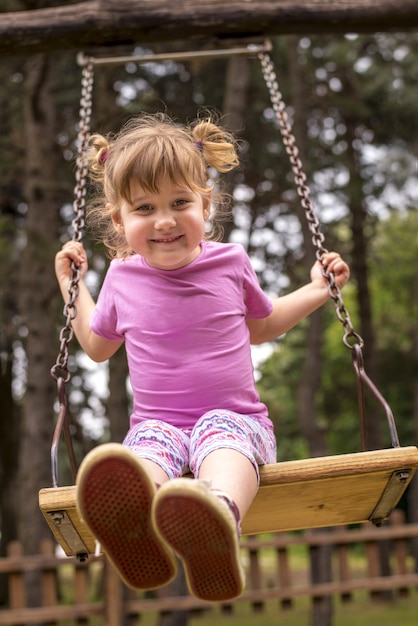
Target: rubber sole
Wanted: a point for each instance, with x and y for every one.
(114, 498)
(200, 528)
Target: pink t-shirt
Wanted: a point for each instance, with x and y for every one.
(185, 333)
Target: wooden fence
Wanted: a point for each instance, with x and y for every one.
(276, 569)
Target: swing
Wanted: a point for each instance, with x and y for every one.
(293, 495)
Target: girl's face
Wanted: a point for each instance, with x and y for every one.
(166, 228)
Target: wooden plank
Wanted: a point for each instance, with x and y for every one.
(284, 575)
(113, 592)
(40, 615)
(128, 22)
(339, 465)
(81, 591)
(63, 499)
(330, 491)
(256, 596)
(344, 571)
(311, 493)
(401, 550)
(17, 595)
(49, 591)
(35, 562)
(255, 575)
(260, 595)
(337, 536)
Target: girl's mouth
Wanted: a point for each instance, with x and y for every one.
(164, 240)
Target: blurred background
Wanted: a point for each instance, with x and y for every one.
(352, 101)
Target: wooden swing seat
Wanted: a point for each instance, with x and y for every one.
(293, 495)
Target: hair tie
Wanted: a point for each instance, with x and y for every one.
(198, 145)
(104, 156)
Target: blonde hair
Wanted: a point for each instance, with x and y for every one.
(149, 149)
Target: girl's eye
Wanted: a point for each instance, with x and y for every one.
(180, 203)
(144, 208)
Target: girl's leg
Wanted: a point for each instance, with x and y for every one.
(154, 471)
(226, 449)
(114, 497)
(200, 519)
(162, 448)
(232, 472)
(115, 491)
(203, 531)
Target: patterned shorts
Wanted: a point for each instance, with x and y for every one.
(177, 451)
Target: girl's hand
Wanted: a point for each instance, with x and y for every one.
(70, 251)
(332, 263)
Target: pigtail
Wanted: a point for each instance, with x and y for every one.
(97, 155)
(218, 146)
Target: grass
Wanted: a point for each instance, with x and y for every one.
(361, 612)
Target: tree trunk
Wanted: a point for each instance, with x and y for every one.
(374, 413)
(118, 403)
(359, 267)
(38, 295)
(98, 22)
(310, 380)
(311, 372)
(9, 445)
(413, 488)
(108, 118)
(9, 332)
(235, 103)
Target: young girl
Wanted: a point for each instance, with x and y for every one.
(187, 309)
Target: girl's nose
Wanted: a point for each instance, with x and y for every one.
(164, 221)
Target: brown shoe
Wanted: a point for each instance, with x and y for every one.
(114, 498)
(202, 530)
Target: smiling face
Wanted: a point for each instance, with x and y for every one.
(164, 226)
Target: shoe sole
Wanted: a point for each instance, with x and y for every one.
(202, 531)
(114, 498)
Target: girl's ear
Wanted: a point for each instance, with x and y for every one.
(116, 219)
(206, 201)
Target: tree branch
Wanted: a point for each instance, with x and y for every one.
(94, 23)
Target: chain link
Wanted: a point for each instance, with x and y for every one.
(351, 337)
(60, 369)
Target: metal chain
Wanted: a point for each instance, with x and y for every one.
(60, 369)
(351, 337)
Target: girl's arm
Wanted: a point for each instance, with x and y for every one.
(292, 308)
(96, 347)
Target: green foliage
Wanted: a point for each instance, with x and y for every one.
(394, 280)
(394, 263)
(278, 388)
